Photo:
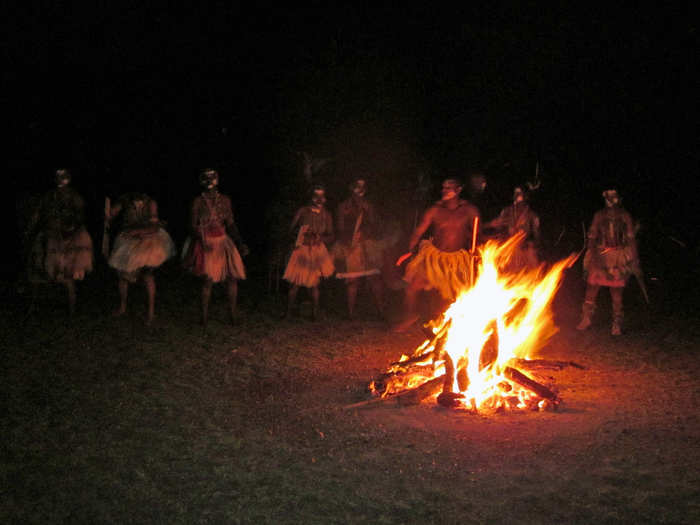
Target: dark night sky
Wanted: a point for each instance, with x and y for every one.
(139, 97)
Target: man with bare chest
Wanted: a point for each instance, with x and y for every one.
(442, 263)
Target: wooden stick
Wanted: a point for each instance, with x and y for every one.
(407, 397)
(401, 259)
(535, 364)
(449, 374)
(532, 385)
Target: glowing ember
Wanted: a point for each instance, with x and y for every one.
(503, 318)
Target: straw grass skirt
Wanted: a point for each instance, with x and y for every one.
(307, 264)
(60, 257)
(359, 257)
(131, 254)
(219, 260)
(449, 273)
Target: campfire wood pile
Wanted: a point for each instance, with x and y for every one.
(476, 353)
(420, 369)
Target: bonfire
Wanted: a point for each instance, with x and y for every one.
(474, 354)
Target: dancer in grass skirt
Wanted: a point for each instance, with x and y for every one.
(61, 248)
(214, 248)
(358, 252)
(310, 260)
(444, 263)
(142, 245)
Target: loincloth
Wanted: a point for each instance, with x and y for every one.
(609, 267)
(359, 257)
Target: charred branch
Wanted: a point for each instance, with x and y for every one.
(449, 374)
(545, 364)
(489, 352)
(521, 379)
(412, 396)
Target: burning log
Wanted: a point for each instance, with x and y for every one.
(437, 342)
(545, 364)
(521, 379)
(407, 397)
(462, 376)
(489, 352)
(418, 394)
(501, 315)
(449, 374)
(414, 359)
(380, 383)
(450, 399)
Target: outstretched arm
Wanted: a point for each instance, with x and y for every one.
(498, 222)
(422, 227)
(295, 221)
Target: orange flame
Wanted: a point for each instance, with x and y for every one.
(503, 316)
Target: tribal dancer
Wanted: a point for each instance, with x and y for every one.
(611, 257)
(310, 259)
(141, 246)
(443, 263)
(215, 246)
(61, 250)
(358, 252)
(517, 218)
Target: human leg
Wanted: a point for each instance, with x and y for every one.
(617, 309)
(207, 285)
(410, 311)
(377, 287)
(70, 288)
(588, 306)
(150, 284)
(232, 291)
(291, 299)
(352, 286)
(123, 286)
(315, 297)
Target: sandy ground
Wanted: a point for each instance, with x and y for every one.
(112, 421)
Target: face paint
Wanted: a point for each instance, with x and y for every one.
(450, 190)
(318, 199)
(518, 195)
(62, 178)
(359, 188)
(611, 198)
(209, 180)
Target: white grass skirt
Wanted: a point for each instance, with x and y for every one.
(149, 250)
